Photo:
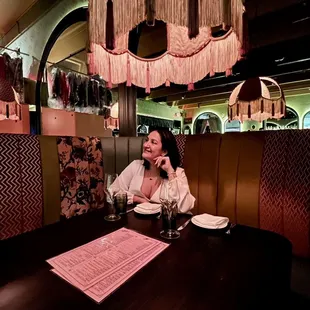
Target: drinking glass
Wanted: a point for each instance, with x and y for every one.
(169, 197)
(108, 181)
(120, 202)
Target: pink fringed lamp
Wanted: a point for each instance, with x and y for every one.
(251, 100)
(192, 52)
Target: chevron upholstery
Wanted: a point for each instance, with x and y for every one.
(181, 142)
(21, 200)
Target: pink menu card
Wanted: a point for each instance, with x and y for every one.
(98, 268)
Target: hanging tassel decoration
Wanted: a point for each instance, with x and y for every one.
(193, 18)
(148, 88)
(128, 72)
(190, 87)
(262, 106)
(273, 110)
(167, 83)
(7, 111)
(110, 40)
(249, 111)
(238, 109)
(150, 12)
(110, 75)
(282, 107)
(245, 34)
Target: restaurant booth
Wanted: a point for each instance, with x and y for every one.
(60, 248)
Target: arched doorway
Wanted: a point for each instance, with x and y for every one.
(207, 122)
(76, 16)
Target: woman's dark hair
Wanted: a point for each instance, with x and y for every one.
(169, 145)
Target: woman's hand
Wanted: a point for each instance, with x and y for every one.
(137, 199)
(164, 163)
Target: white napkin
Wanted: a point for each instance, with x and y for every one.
(146, 206)
(211, 221)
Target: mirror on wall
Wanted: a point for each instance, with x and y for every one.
(208, 123)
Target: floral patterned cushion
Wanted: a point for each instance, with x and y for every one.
(81, 174)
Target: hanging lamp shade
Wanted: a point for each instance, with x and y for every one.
(251, 100)
(192, 51)
(9, 103)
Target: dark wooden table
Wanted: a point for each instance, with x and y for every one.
(248, 269)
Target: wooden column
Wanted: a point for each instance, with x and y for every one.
(127, 110)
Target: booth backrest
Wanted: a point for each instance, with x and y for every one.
(118, 153)
(260, 179)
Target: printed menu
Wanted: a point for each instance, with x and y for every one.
(98, 268)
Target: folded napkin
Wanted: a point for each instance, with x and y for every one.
(211, 221)
(146, 206)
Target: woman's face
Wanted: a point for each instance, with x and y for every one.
(152, 147)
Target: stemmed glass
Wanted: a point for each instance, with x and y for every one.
(169, 197)
(108, 181)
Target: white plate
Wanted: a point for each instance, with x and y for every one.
(146, 212)
(207, 227)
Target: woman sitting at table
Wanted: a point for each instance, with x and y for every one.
(142, 179)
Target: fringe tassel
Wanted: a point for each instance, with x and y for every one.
(228, 72)
(273, 110)
(245, 35)
(238, 109)
(110, 44)
(190, 87)
(193, 18)
(128, 72)
(262, 106)
(112, 67)
(7, 111)
(150, 12)
(282, 107)
(148, 88)
(249, 111)
(110, 75)
(167, 83)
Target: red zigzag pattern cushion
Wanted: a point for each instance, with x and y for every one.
(21, 198)
(181, 141)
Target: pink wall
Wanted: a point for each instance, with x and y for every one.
(58, 122)
(63, 123)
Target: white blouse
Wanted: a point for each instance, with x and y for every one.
(131, 179)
